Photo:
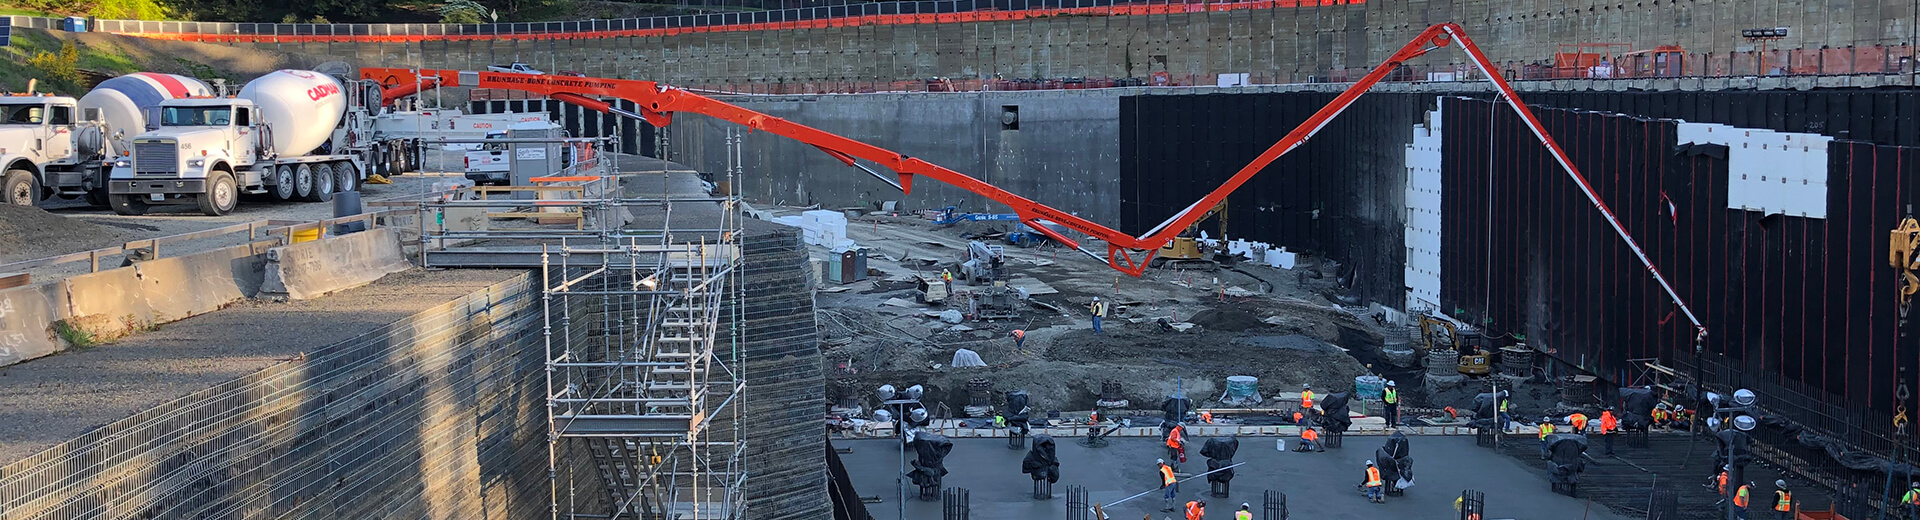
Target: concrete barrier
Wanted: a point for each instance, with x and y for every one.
(313, 269)
(107, 305)
(27, 315)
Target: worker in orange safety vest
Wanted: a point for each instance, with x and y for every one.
(1740, 500)
(1019, 338)
(1608, 424)
(1720, 486)
(1782, 501)
(1374, 485)
(1206, 417)
(1310, 440)
(1167, 482)
(1196, 510)
(1579, 422)
(1177, 442)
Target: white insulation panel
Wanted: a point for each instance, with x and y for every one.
(1769, 172)
(1423, 215)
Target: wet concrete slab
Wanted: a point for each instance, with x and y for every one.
(1319, 486)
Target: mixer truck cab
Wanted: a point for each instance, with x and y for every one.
(292, 134)
(45, 145)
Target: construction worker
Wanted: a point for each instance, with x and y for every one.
(1374, 485)
(1099, 310)
(1608, 424)
(999, 421)
(1177, 442)
(1506, 419)
(1663, 416)
(1167, 482)
(1306, 398)
(1912, 500)
(1310, 439)
(1782, 501)
(946, 277)
(1244, 513)
(1206, 417)
(1197, 510)
(1391, 396)
(1579, 422)
(1546, 428)
(1740, 501)
(1720, 483)
(1019, 339)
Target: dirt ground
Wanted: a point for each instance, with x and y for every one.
(1286, 337)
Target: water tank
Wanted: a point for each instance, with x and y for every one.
(302, 106)
(126, 102)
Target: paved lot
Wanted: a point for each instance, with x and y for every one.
(1319, 486)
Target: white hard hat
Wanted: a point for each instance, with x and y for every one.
(1369, 463)
(1096, 298)
(1160, 461)
(1780, 483)
(1389, 382)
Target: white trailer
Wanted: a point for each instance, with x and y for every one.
(296, 135)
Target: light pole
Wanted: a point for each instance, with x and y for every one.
(1763, 36)
(900, 403)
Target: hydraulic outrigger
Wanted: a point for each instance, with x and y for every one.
(1126, 253)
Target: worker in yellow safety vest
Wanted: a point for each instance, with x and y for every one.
(1782, 501)
(1167, 482)
(1244, 513)
(1391, 396)
(1662, 416)
(1546, 428)
(1374, 484)
(1506, 419)
(1740, 501)
(1912, 500)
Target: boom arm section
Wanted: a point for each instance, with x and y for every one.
(1126, 253)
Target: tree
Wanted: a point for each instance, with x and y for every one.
(61, 66)
(466, 11)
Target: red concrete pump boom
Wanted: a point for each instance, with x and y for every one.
(1126, 253)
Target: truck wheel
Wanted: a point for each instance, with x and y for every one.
(348, 176)
(222, 195)
(98, 197)
(382, 162)
(303, 182)
(129, 205)
(283, 186)
(323, 183)
(20, 188)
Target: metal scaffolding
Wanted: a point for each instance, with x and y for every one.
(644, 385)
(642, 332)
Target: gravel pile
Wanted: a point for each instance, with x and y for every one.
(27, 233)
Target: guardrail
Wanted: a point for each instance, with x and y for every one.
(874, 13)
(255, 230)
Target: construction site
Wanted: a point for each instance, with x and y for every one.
(967, 260)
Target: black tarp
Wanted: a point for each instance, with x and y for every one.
(1334, 415)
(929, 463)
(1735, 448)
(1219, 453)
(1395, 459)
(1174, 410)
(1566, 457)
(1017, 411)
(1637, 405)
(1041, 462)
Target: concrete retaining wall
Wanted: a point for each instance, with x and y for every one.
(1064, 152)
(439, 415)
(109, 304)
(1294, 41)
(313, 269)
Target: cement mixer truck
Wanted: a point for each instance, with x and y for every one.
(57, 146)
(291, 134)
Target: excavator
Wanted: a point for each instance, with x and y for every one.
(1129, 254)
(1187, 251)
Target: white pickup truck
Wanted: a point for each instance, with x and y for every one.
(488, 165)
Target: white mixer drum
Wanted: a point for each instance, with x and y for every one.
(126, 102)
(301, 106)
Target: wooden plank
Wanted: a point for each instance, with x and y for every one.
(11, 280)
